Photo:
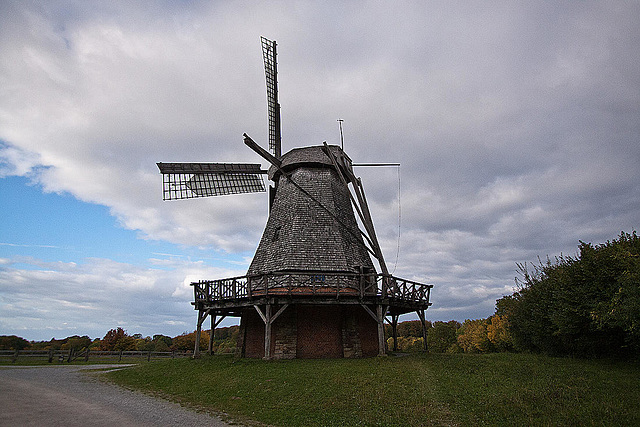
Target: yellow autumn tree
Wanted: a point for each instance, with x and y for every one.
(498, 333)
(472, 336)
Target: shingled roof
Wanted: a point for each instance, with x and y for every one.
(303, 234)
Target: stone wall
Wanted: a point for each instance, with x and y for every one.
(311, 331)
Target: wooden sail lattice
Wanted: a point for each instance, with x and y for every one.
(192, 180)
(273, 107)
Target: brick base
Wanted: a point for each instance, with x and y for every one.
(311, 331)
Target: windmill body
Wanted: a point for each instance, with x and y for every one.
(317, 233)
(311, 289)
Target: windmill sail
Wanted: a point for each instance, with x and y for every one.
(271, 74)
(191, 180)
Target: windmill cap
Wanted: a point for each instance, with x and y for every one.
(313, 156)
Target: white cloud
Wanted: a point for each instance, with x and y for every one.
(97, 295)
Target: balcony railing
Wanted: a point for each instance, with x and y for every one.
(310, 284)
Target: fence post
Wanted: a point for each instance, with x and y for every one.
(120, 356)
(50, 355)
(15, 356)
(86, 355)
(70, 354)
(149, 356)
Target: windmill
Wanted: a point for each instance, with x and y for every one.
(311, 289)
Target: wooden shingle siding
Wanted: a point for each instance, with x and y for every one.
(311, 236)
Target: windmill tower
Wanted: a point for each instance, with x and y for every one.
(311, 289)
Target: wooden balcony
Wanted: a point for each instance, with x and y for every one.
(398, 294)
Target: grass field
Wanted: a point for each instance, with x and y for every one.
(435, 389)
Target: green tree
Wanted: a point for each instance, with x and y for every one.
(407, 344)
(160, 346)
(587, 305)
(442, 335)
(225, 339)
(145, 344)
(163, 338)
(76, 343)
(13, 342)
(411, 328)
(161, 342)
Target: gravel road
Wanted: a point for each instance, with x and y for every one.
(66, 396)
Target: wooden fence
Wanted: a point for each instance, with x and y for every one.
(66, 356)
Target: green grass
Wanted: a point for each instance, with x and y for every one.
(437, 389)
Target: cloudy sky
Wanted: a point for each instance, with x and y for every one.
(516, 125)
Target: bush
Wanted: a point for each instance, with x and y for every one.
(442, 335)
(583, 306)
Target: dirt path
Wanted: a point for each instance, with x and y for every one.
(66, 396)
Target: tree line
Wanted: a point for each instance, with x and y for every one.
(119, 340)
(471, 336)
(587, 305)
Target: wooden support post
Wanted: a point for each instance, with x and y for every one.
(394, 330)
(196, 346)
(213, 329)
(424, 328)
(382, 344)
(268, 320)
(214, 324)
(202, 315)
(267, 332)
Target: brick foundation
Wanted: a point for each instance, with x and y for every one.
(311, 331)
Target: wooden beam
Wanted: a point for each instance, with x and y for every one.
(279, 312)
(424, 328)
(372, 233)
(355, 204)
(220, 320)
(261, 151)
(202, 315)
(379, 316)
(382, 344)
(262, 316)
(267, 332)
(268, 320)
(214, 324)
(361, 206)
(371, 313)
(213, 328)
(364, 217)
(394, 331)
